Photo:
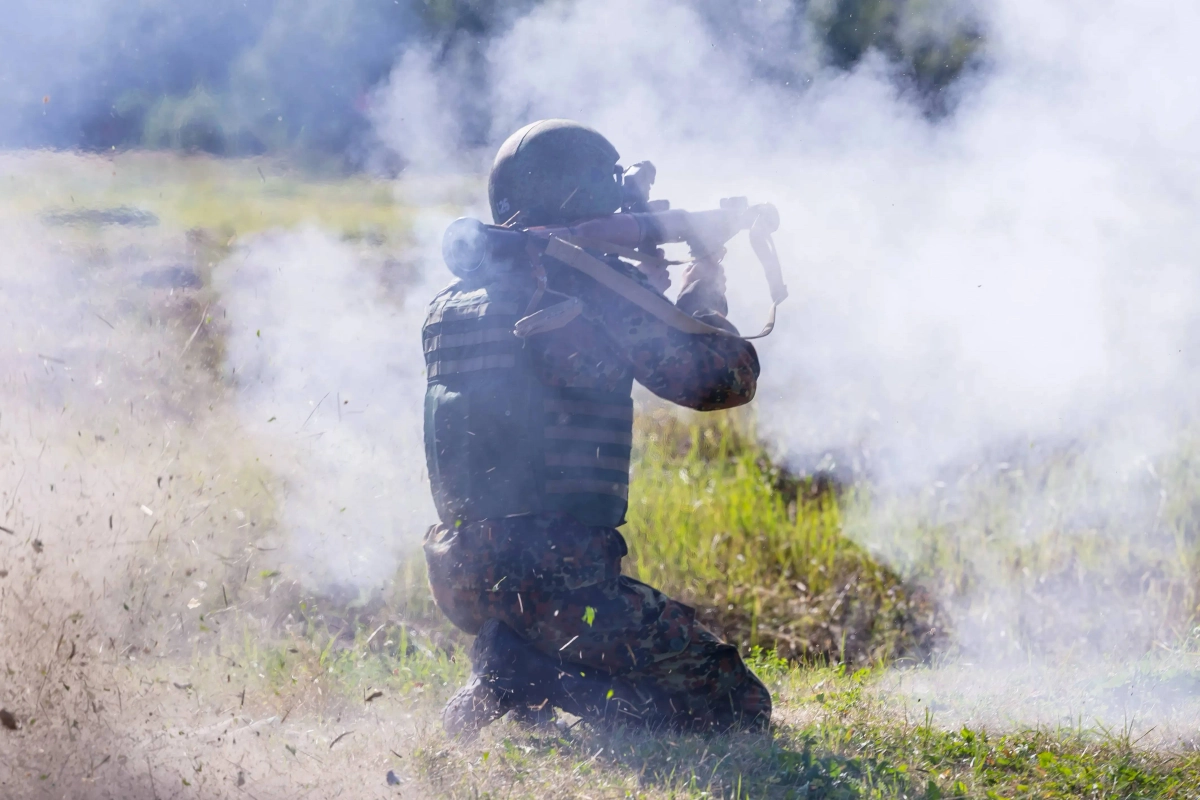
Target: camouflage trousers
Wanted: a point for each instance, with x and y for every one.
(558, 584)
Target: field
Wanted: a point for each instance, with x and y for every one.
(166, 637)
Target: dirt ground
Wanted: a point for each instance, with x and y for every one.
(137, 524)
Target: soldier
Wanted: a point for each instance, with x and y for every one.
(528, 446)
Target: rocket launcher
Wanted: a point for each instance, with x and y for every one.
(476, 251)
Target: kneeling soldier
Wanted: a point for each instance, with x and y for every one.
(528, 446)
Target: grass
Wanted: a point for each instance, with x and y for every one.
(837, 736)
(1080, 559)
(761, 552)
(707, 494)
(1042, 555)
(828, 586)
(226, 198)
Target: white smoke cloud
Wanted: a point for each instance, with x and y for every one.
(1020, 270)
(330, 374)
(413, 112)
(974, 268)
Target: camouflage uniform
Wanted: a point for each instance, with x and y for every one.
(556, 581)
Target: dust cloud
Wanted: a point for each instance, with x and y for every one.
(329, 372)
(153, 542)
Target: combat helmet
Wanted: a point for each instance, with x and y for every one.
(554, 172)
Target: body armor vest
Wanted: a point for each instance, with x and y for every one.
(498, 441)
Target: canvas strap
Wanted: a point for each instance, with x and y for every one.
(650, 301)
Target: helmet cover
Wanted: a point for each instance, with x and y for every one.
(554, 172)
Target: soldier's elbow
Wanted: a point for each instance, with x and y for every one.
(726, 396)
(728, 401)
(740, 398)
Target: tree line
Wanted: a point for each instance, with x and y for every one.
(235, 78)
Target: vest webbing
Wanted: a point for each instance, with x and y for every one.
(499, 442)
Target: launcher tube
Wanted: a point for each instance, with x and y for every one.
(469, 246)
(706, 229)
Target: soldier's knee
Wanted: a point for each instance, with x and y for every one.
(462, 608)
(749, 700)
(754, 705)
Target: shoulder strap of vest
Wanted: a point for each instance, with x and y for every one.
(652, 302)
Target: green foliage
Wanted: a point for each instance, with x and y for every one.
(195, 122)
(762, 554)
(930, 42)
(279, 76)
(294, 76)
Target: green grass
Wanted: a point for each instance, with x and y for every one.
(762, 553)
(838, 734)
(1082, 563)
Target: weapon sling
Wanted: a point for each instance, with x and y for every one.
(651, 302)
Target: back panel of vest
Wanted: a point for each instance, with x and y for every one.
(498, 442)
(586, 443)
(479, 405)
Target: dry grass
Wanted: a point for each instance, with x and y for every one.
(228, 197)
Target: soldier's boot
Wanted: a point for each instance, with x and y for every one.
(546, 684)
(540, 717)
(510, 674)
(488, 694)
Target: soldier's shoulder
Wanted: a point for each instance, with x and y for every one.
(494, 297)
(460, 291)
(449, 289)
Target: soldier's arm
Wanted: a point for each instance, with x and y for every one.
(701, 371)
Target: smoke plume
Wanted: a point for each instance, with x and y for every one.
(327, 359)
(972, 295)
